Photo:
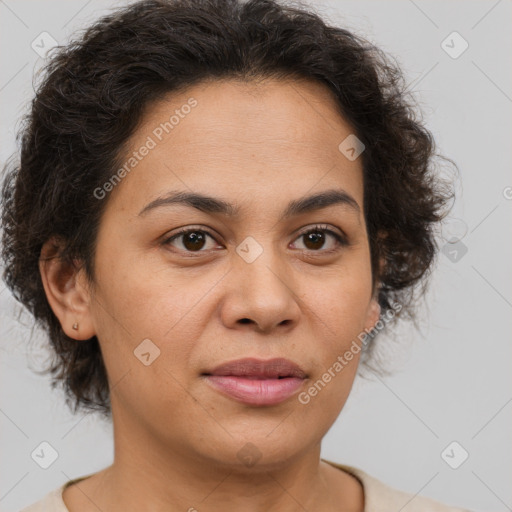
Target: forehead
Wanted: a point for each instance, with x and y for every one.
(249, 139)
(274, 112)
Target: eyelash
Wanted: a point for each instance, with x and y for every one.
(340, 239)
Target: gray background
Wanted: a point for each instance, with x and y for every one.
(453, 377)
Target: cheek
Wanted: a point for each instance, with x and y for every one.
(147, 334)
(133, 306)
(342, 302)
(339, 313)
(143, 299)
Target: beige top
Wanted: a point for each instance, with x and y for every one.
(378, 497)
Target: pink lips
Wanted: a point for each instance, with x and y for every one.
(257, 382)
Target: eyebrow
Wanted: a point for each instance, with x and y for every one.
(208, 204)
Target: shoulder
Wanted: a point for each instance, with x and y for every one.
(381, 498)
(51, 502)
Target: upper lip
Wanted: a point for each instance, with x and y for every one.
(251, 367)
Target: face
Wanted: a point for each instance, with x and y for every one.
(256, 279)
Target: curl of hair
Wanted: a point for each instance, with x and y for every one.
(94, 93)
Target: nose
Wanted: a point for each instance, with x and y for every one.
(261, 295)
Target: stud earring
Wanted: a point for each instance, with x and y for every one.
(75, 326)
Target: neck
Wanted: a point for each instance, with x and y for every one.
(148, 475)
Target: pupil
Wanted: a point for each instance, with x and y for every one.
(317, 239)
(196, 239)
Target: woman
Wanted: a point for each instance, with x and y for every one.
(217, 206)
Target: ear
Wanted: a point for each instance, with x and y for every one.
(374, 309)
(67, 291)
(373, 313)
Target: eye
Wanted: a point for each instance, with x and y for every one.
(316, 238)
(190, 240)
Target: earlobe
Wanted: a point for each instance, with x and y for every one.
(69, 299)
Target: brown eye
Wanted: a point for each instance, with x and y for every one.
(194, 240)
(191, 240)
(314, 240)
(317, 238)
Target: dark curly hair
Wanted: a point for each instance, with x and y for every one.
(94, 93)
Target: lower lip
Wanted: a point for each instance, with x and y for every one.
(256, 392)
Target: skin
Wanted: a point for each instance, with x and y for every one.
(258, 146)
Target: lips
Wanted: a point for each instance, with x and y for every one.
(256, 382)
(259, 369)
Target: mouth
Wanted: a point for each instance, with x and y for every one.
(257, 382)
(251, 368)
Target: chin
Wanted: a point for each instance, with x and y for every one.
(263, 449)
